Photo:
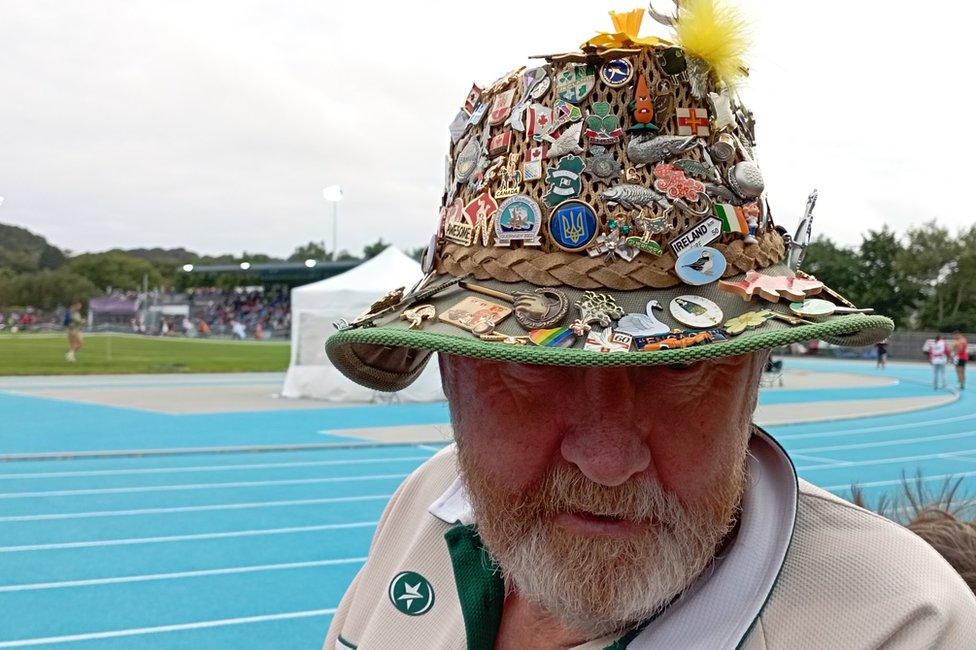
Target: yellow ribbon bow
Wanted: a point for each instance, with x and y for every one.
(628, 25)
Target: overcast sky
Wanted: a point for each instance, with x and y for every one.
(215, 125)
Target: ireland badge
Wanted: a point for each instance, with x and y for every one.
(564, 180)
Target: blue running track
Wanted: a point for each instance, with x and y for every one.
(254, 550)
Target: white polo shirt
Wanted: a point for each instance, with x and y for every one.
(805, 570)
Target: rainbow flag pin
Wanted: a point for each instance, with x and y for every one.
(557, 337)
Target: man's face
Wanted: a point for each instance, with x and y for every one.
(602, 492)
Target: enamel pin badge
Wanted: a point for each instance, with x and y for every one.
(475, 315)
(695, 311)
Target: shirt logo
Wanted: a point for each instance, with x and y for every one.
(411, 593)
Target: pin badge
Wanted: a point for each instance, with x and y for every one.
(773, 287)
(692, 121)
(721, 110)
(457, 228)
(475, 315)
(567, 142)
(467, 161)
(509, 179)
(501, 107)
(617, 73)
(647, 148)
(672, 60)
(557, 337)
(519, 219)
(478, 114)
(613, 244)
(479, 212)
(500, 143)
(532, 162)
(607, 341)
(564, 179)
(508, 339)
(676, 341)
(602, 127)
(746, 180)
(723, 148)
(701, 234)
(573, 225)
(575, 81)
(417, 315)
(819, 309)
(642, 108)
(602, 164)
(429, 258)
(474, 96)
(643, 325)
(700, 266)
(533, 309)
(672, 181)
(595, 308)
(695, 311)
(747, 321)
(458, 126)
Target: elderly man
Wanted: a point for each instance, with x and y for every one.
(607, 488)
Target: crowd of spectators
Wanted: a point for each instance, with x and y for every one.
(241, 314)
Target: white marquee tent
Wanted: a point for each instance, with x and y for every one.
(314, 307)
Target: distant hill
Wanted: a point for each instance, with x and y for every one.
(23, 251)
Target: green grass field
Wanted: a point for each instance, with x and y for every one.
(43, 354)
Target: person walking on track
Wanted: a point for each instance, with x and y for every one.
(960, 352)
(938, 357)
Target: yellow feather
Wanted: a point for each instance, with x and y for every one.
(715, 33)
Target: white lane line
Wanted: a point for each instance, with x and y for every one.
(207, 468)
(128, 541)
(899, 481)
(816, 459)
(952, 455)
(159, 629)
(197, 486)
(955, 456)
(210, 508)
(429, 448)
(891, 443)
(256, 568)
(841, 431)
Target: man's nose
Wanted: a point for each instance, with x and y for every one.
(606, 454)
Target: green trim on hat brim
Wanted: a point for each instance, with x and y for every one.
(848, 330)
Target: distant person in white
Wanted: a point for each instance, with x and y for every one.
(237, 327)
(938, 357)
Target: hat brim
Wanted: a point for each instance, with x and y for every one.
(389, 356)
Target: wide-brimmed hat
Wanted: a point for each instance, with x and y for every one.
(605, 208)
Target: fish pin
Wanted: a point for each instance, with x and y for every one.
(643, 325)
(647, 149)
(695, 311)
(533, 310)
(700, 266)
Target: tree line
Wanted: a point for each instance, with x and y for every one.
(37, 274)
(924, 279)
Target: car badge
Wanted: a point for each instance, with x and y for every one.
(475, 315)
(643, 324)
(467, 161)
(602, 126)
(595, 307)
(575, 81)
(602, 164)
(617, 73)
(700, 266)
(607, 340)
(501, 107)
(564, 180)
(695, 311)
(573, 225)
(519, 219)
(701, 234)
(557, 337)
(773, 287)
(692, 121)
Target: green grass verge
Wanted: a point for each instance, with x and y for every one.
(43, 354)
